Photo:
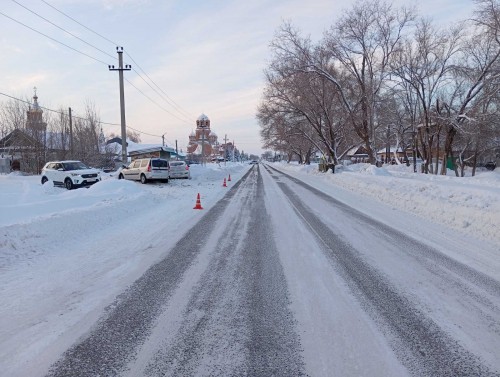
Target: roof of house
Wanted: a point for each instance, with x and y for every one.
(150, 149)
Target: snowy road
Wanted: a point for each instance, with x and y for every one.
(224, 301)
(437, 316)
(281, 279)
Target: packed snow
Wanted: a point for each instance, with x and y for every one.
(65, 255)
(470, 205)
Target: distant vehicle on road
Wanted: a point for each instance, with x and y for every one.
(146, 169)
(179, 169)
(253, 162)
(70, 174)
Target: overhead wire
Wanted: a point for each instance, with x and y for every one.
(138, 74)
(76, 116)
(169, 100)
(98, 60)
(79, 23)
(55, 40)
(153, 101)
(66, 31)
(180, 109)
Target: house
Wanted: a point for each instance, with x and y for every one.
(137, 150)
(357, 155)
(394, 152)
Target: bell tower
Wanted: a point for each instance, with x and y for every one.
(34, 120)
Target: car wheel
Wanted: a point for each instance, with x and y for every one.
(143, 179)
(44, 180)
(68, 184)
(121, 176)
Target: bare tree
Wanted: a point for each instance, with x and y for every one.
(425, 64)
(478, 75)
(354, 57)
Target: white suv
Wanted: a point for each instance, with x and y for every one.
(70, 174)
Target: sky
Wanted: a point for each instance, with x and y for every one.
(55, 284)
(202, 57)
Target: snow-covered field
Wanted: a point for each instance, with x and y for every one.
(65, 255)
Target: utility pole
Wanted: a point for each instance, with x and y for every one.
(163, 139)
(225, 149)
(176, 151)
(120, 70)
(71, 134)
(388, 144)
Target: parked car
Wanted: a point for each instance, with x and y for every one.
(146, 169)
(70, 174)
(179, 169)
(490, 165)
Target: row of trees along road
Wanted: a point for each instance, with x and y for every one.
(384, 73)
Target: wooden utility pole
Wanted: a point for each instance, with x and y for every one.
(120, 70)
(71, 135)
(225, 149)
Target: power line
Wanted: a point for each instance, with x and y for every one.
(169, 100)
(66, 31)
(93, 58)
(72, 19)
(153, 101)
(76, 117)
(138, 74)
(55, 40)
(100, 61)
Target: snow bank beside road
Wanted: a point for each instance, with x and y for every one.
(470, 205)
(65, 255)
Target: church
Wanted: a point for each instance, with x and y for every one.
(203, 142)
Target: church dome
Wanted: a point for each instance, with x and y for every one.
(203, 117)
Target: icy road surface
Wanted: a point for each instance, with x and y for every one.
(282, 274)
(280, 279)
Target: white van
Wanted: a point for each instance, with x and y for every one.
(146, 169)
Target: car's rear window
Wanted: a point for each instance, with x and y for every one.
(160, 163)
(176, 163)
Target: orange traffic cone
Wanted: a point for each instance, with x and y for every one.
(224, 184)
(198, 203)
(229, 179)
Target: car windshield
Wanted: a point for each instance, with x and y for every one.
(74, 165)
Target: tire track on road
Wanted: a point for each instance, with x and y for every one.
(420, 344)
(238, 322)
(113, 341)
